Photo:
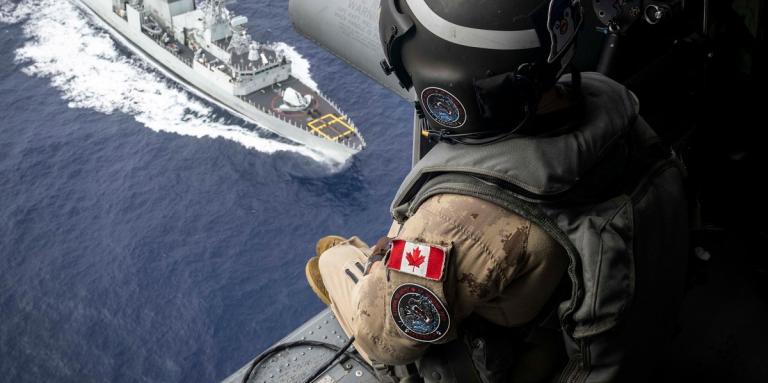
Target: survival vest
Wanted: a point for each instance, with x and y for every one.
(609, 193)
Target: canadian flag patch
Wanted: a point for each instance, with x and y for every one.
(417, 259)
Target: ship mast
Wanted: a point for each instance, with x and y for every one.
(215, 11)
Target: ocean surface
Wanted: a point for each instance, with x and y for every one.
(147, 235)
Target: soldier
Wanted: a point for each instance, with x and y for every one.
(538, 180)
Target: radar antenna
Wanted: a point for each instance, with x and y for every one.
(241, 40)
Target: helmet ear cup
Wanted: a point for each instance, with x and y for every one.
(506, 100)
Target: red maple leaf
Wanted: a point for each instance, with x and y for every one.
(415, 258)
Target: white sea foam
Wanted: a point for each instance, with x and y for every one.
(84, 64)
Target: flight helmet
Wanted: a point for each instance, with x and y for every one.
(478, 67)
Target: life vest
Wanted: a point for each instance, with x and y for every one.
(609, 193)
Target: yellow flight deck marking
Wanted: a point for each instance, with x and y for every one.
(348, 132)
(328, 121)
(316, 129)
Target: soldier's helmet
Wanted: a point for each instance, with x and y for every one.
(478, 67)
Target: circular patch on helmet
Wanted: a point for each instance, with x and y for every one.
(443, 107)
(418, 313)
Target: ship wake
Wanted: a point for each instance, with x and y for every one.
(84, 63)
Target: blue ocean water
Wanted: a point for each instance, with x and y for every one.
(148, 236)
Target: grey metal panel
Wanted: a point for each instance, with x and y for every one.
(296, 364)
(348, 29)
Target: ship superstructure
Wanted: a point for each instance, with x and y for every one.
(205, 46)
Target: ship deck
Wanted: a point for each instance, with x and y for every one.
(177, 48)
(321, 119)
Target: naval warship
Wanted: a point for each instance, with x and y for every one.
(206, 47)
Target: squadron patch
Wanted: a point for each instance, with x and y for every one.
(417, 259)
(419, 313)
(443, 107)
(563, 21)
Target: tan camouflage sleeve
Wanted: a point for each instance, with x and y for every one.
(490, 249)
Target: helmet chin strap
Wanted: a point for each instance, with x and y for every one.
(576, 84)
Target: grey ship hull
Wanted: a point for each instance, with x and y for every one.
(204, 87)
